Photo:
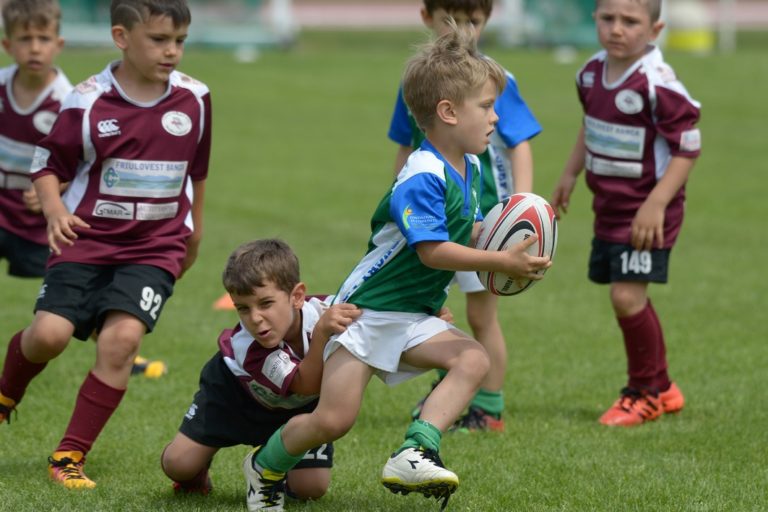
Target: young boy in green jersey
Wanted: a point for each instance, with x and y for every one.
(421, 232)
(507, 167)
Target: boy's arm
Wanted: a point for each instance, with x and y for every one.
(61, 223)
(562, 195)
(193, 242)
(521, 159)
(334, 320)
(648, 224)
(514, 262)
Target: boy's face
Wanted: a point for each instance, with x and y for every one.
(269, 313)
(437, 22)
(624, 29)
(152, 49)
(476, 118)
(33, 48)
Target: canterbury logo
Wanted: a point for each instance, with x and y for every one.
(413, 463)
(108, 128)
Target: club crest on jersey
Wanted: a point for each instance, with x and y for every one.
(43, 121)
(629, 101)
(177, 123)
(108, 128)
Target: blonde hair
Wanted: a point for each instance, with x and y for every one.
(30, 13)
(652, 6)
(449, 68)
(256, 262)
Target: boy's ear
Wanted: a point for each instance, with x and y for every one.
(6, 45)
(298, 295)
(446, 112)
(427, 18)
(657, 28)
(119, 36)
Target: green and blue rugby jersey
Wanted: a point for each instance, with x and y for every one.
(429, 202)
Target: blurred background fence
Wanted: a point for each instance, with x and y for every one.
(697, 25)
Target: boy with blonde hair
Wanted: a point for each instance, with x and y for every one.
(420, 235)
(638, 143)
(507, 167)
(31, 91)
(134, 143)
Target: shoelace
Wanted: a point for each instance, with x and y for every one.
(630, 396)
(437, 494)
(271, 491)
(68, 467)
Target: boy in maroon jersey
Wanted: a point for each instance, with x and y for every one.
(134, 143)
(31, 91)
(267, 370)
(638, 142)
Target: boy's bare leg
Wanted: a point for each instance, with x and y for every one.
(186, 462)
(467, 364)
(345, 378)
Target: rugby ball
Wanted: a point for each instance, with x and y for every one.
(510, 222)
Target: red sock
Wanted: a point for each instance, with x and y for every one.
(644, 344)
(95, 404)
(18, 371)
(661, 380)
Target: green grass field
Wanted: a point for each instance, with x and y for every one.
(300, 152)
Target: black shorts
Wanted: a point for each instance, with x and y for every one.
(222, 414)
(84, 294)
(611, 262)
(25, 258)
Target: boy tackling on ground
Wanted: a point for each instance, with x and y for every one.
(267, 370)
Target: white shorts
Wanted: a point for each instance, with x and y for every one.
(379, 338)
(468, 282)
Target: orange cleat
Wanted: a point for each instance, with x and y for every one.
(7, 405)
(633, 408)
(66, 468)
(672, 400)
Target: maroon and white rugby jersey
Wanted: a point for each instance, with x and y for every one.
(20, 130)
(130, 165)
(632, 128)
(267, 373)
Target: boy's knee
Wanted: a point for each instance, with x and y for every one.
(309, 488)
(475, 362)
(333, 426)
(626, 301)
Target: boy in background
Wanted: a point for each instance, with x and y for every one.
(134, 143)
(31, 91)
(267, 370)
(507, 165)
(638, 142)
(420, 235)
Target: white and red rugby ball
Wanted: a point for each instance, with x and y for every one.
(510, 222)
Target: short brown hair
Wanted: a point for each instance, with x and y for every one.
(652, 6)
(130, 12)
(26, 13)
(256, 262)
(465, 6)
(449, 68)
